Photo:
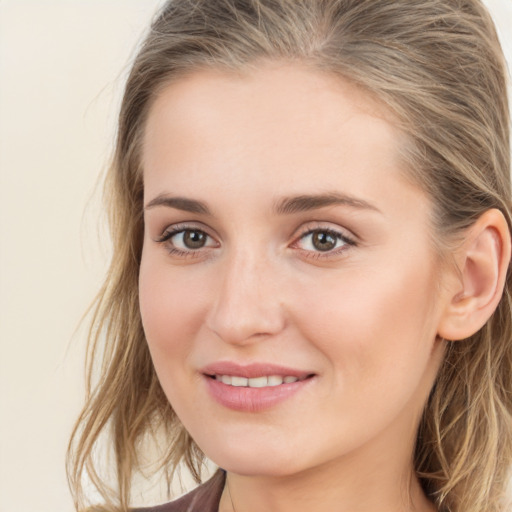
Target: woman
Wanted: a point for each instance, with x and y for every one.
(310, 207)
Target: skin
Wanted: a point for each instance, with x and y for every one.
(362, 317)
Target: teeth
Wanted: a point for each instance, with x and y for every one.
(226, 379)
(275, 380)
(239, 381)
(256, 382)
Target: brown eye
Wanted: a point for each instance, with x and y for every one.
(328, 241)
(194, 239)
(187, 240)
(323, 241)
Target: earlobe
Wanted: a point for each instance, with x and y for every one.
(482, 261)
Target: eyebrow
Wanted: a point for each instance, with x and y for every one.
(304, 203)
(285, 206)
(179, 203)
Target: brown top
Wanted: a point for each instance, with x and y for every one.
(205, 498)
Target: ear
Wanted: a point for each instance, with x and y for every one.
(482, 263)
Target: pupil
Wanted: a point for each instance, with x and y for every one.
(194, 239)
(324, 241)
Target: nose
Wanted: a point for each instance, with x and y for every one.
(247, 303)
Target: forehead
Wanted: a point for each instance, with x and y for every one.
(277, 127)
(272, 94)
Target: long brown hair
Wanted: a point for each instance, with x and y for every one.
(438, 66)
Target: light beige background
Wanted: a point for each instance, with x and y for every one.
(62, 64)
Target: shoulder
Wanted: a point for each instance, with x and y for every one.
(204, 498)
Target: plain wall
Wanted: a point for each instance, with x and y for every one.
(62, 65)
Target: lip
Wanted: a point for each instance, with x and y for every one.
(253, 370)
(248, 399)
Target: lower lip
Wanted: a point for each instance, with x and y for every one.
(253, 399)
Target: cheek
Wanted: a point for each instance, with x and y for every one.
(372, 324)
(170, 308)
(172, 312)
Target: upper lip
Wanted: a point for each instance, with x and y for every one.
(252, 370)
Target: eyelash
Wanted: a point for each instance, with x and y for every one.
(194, 253)
(338, 235)
(175, 230)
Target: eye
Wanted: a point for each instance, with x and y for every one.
(185, 240)
(323, 240)
(189, 239)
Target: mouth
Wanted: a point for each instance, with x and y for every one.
(257, 382)
(255, 387)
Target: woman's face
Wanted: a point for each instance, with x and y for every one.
(289, 291)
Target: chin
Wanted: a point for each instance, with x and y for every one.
(259, 461)
(259, 466)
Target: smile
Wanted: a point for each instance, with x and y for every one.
(255, 387)
(256, 382)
